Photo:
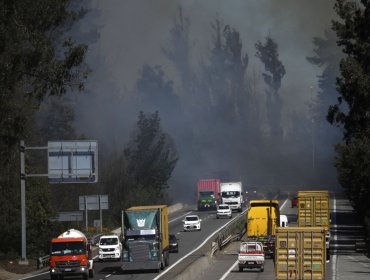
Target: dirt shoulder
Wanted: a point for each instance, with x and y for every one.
(11, 270)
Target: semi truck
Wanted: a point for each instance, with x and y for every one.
(263, 217)
(146, 238)
(300, 253)
(208, 194)
(70, 255)
(314, 211)
(231, 194)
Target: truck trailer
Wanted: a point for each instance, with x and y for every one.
(146, 238)
(263, 217)
(300, 253)
(314, 211)
(70, 255)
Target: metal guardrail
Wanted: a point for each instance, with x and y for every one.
(43, 261)
(228, 234)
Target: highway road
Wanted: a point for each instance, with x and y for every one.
(345, 263)
(188, 241)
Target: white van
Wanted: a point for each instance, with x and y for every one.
(109, 248)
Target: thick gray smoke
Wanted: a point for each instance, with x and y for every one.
(132, 33)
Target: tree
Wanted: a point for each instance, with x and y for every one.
(269, 56)
(327, 56)
(151, 158)
(36, 60)
(353, 108)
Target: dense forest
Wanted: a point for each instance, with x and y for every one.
(217, 118)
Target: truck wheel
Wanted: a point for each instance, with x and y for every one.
(85, 276)
(262, 269)
(240, 269)
(167, 260)
(162, 260)
(91, 273)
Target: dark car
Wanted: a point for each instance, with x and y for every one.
(174, 244)
(295, 201)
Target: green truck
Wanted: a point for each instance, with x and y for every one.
(208, 193)
(146, 238)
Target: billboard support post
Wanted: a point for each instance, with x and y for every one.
(23, 259)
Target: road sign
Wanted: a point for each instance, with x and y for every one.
(75, 216)
(92, 202)
(73, 161)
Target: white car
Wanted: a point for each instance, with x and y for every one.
(191, 222)
(109, 248)
(224, 210)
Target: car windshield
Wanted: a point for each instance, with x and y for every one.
(67, 248)
(173, 238)
(223, 207)
(230, 194)
(108, 241)
(192, 218)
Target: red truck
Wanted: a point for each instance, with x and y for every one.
(70, 254)
(208, 193)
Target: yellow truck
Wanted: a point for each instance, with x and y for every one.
(146, 238)
(262, 220)
(314, 211)
(300, 253)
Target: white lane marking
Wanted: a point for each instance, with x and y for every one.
(188, 254)
(34, 275)
(228, 272)
(283, 204)
(180, 217)
(334, 261)
(234, 264)
(106, 276)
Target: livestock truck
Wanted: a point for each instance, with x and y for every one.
(146, 238)
(300, 253)
(314, 211)
(231, 194)
(263, 218)
(208, 194)
(70, 255)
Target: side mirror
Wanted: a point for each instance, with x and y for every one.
(183, 221)
(200, 220)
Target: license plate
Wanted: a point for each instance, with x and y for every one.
(250, 262)
(67, 269)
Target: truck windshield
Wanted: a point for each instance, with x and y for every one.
(68, 248)
(206, 193)
(230, 194)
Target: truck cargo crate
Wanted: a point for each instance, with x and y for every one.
(300, 253)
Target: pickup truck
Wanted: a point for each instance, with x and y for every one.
(251, 255)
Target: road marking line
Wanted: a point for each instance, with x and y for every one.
(180, 217)
(228, 272)
(106, 276)
(34, 275)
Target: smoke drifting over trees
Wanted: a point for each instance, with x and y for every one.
(195, 63)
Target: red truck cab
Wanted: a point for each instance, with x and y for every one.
(70, 255)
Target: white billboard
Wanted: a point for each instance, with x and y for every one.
(73, 161)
